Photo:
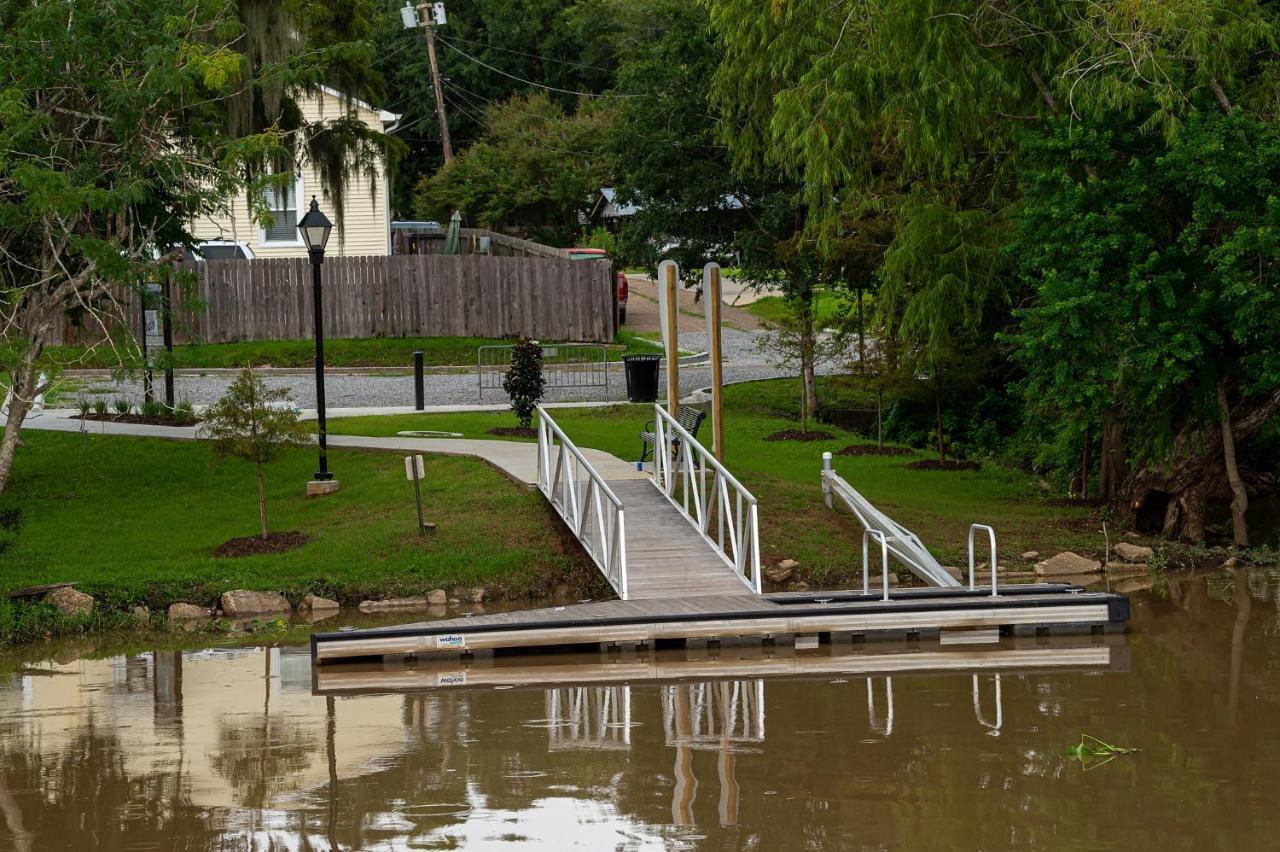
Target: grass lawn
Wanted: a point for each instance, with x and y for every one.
(938, 505)
(828, 307)
(338, 352)
(134, 521)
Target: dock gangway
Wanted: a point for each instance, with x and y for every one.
(687, 529)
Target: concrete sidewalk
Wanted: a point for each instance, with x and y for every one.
(516, 460)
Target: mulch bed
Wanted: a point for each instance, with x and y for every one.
(873, 450)
(797, 435)
(144, 419)
(934, 464)
(256, 545)
(513, 432)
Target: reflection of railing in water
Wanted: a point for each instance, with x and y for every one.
(589, 717)
(977, 708)
(882, 727)
(713, 715)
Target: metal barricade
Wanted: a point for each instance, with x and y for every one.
(564, 365)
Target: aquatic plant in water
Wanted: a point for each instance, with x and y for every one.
(1091, 749)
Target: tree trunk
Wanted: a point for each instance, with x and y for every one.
(1194, 469)
(1239, 496)
(23, 393)
(1113, 468)
(937, 407)
(808, 377)
(880, 419)
(862, 336)
(1084, 466)
(262, 501)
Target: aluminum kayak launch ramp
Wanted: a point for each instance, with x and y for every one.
(902, 543)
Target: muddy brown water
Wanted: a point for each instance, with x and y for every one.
(867, 746)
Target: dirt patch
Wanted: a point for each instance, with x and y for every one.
(797, 435)
(873, 450)
(143, 419)
(1073, 502)
(935, 464)
(256, 545)
(513, 432)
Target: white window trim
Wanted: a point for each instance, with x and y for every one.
(300, 211)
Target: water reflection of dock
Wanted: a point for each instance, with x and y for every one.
(713, 703)
(730, 663)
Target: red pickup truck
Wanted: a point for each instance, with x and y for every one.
(619, 278)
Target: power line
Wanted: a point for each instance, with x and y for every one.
(534, 55)
(481, 63)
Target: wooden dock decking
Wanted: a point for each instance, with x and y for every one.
(666, 556)
(920, 611)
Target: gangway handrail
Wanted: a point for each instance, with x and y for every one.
(596, 517)
(680, 464)
(902, 543)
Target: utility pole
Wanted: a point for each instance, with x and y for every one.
(425, 15)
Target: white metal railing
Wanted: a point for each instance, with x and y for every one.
(584, 500)
(681, 468)
(902, 543)
(991, 535)
(866, 563)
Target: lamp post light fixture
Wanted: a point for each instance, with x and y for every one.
(315, 228)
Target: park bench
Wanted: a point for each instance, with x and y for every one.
(689, 418)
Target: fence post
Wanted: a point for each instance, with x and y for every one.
(419, 391)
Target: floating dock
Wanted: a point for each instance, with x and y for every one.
(949, 615)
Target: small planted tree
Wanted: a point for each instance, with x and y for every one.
(524, 382)
(250, 423)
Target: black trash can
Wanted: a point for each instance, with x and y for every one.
(642, 377)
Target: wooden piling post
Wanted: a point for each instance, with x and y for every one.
(670, 283)
(711, 293)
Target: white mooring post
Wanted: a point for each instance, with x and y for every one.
(826, 484)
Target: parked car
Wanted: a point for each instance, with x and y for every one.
(620, 279)
(219, 250)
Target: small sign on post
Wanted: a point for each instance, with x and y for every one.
(416, 471)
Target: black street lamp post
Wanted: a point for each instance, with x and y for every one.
(315, 228)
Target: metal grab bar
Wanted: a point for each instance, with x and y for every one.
(977, 708)
(680, 466)
(884, 562)
(584, 500)
(991, 534)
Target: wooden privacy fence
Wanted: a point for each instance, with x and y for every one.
(421, 295)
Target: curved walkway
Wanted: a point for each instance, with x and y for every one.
(516, 460)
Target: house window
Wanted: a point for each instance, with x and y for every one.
(283, 204)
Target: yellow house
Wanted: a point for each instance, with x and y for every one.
(366, 225)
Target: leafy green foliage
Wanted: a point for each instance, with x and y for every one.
(1156, 278)
(534, 169)
(254, 423)
(523, 382)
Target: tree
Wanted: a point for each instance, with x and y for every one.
(489, 51)
(534, 169)
(523, 382)
(1156, 286)
(158, 113)
(257, 424)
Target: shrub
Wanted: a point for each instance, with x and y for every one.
(524, 383)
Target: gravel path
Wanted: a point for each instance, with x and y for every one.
(346, 391)
(742, 363)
